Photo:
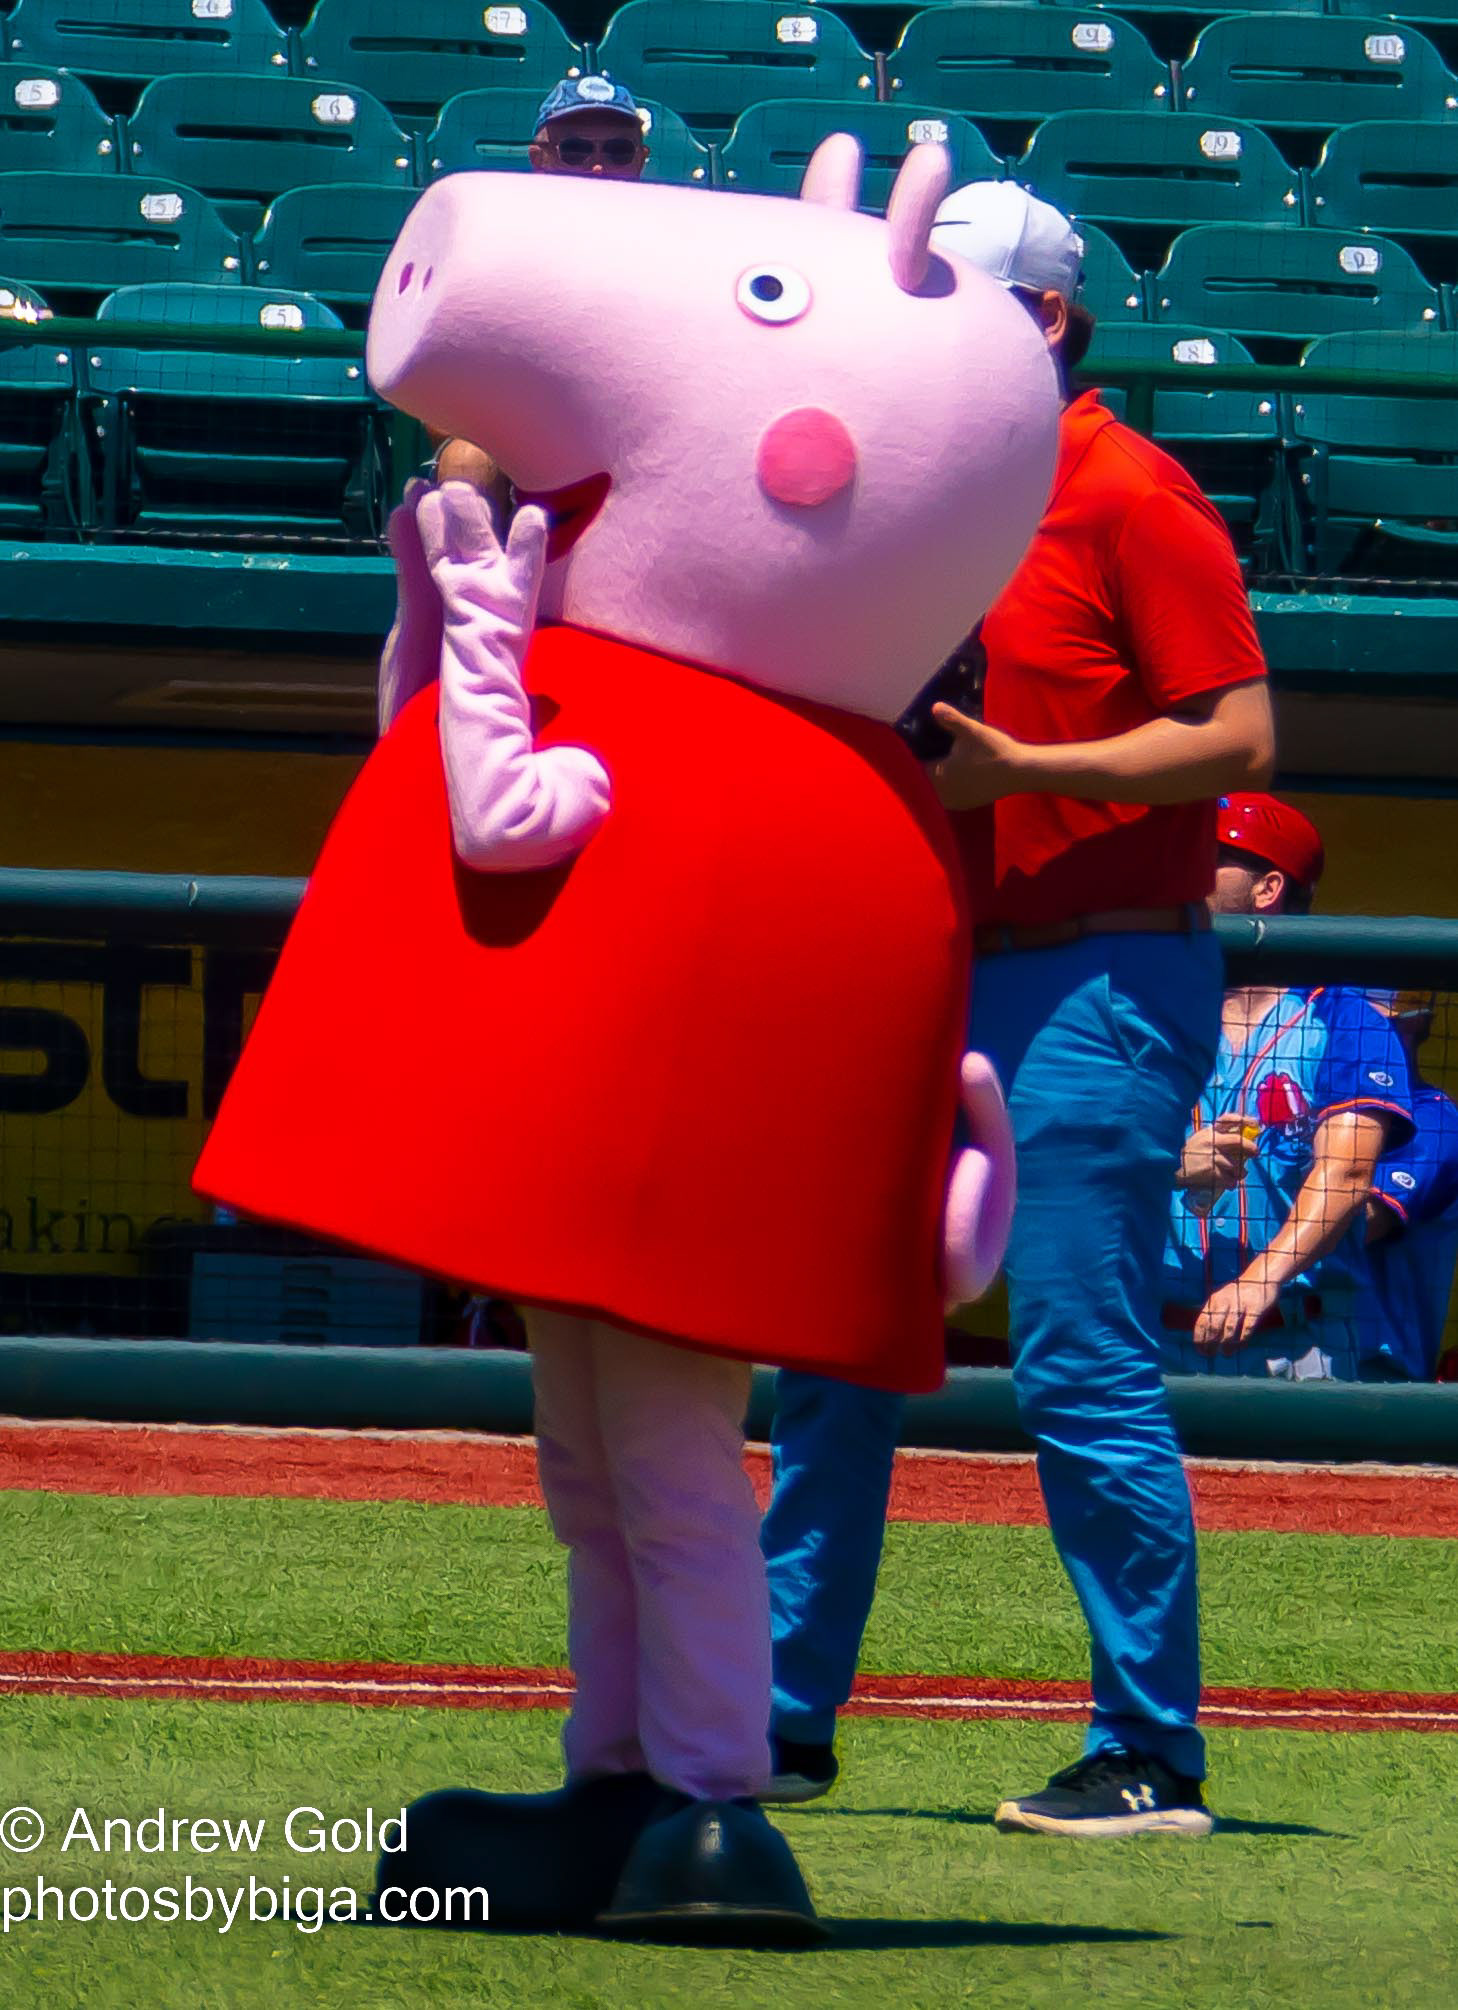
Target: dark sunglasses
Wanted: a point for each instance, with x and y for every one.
(616, 152)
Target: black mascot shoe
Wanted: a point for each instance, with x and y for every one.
(547, 1862)
(712, 1873)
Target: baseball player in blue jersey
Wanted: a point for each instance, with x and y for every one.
(1412, 1219)
(1266, 1268)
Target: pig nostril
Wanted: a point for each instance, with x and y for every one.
(407, 273)
(429, 275)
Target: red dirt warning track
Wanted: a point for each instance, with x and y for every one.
(437, 1467)
(229, 1679)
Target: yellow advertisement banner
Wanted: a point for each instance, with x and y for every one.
(113, 1059)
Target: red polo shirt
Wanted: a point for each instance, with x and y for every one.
(1128, 602)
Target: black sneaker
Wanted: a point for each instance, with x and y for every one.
(1112, 1794)
(801, 1772)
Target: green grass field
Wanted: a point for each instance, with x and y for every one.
(1330, 1882)
(393, 1581)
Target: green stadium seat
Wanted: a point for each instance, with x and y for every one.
(1379, 475)
(1229, 440)
(493, 129)
(1421, 13)
(674, 155)
(414, 55)
(146, 38)
(1112, 289)
(50, 122)
(1166, 173)
(39, 433)
(89, 234)
(1204, 8)
(1391, 175)
(1022, 64)
(330, 241)
(22, 303)
(770, 145)
(1289, 70)
(1194, 414)
(712, 58)
(1282, 280)
(194, 445)
(242, 140)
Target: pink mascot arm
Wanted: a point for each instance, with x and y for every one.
(513, 808)
(411, 657)
(983, 1187)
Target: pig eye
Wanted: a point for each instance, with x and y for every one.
(773, 293)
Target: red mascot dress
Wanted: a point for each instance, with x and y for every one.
(702, 1078)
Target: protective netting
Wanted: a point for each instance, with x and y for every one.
(113, 1058)
(1268, 192)
(115, 1051)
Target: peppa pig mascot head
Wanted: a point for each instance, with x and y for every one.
(632, 980)
(781, 439)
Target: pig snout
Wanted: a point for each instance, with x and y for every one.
(476, 332)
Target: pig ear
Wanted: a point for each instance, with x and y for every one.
(833, 173)
(923, 180)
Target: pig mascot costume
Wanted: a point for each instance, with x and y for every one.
(631, 982)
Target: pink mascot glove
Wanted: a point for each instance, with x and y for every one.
(983, 1188)
(411, 657)
(513, 808)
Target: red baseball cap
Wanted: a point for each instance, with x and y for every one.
(1272, 830)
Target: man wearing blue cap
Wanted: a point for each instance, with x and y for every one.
(587, 126)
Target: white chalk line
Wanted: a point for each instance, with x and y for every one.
(180, 1685)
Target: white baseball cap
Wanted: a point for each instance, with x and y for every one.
(1011, 235)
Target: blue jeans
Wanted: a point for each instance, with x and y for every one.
(833, 1447)
(1103, 1047)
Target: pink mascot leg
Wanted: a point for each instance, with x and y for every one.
(673, 1426)
(641, 1450)
(641, 1453)
(602, 1623)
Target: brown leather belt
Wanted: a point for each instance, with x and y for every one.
(995, 939)
(1182, 1318)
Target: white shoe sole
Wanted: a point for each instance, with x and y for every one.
(789, 1790)
(1012, 1818)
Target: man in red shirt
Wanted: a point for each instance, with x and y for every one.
(1123, 691)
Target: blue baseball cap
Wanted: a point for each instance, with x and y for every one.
(588, 94)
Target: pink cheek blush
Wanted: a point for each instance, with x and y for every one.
(805, 457)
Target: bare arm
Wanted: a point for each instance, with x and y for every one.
(1334, 1193)
(1219, 741)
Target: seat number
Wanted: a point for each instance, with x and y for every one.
(1359, 258)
